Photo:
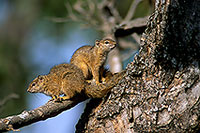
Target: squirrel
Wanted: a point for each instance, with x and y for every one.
(68, 79)
(62, 79)
(91, 59)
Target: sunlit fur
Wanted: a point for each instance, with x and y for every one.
(91, 59)
(64, 79)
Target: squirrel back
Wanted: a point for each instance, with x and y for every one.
(64, 79)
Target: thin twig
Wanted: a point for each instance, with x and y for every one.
(70, 12)
(131, 10)
(114, 11)
(7, 98)
(136, 37)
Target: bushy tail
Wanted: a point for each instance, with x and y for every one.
(98, 91)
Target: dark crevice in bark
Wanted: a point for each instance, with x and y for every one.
(93, 103)
(179, 48)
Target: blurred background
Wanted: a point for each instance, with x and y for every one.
(35, 35)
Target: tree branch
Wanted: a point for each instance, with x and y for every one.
(135, 26)
(9, 97)
(131, 10)
(50, 109)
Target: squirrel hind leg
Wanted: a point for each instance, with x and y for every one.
(54, 98)
(60, 99)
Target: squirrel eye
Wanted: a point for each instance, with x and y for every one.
(33, 84)
(106, 42)
(40, 77)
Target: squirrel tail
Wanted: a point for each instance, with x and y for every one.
(100, 90)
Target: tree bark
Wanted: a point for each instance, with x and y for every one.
(161, 89)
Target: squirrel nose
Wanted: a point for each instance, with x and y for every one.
(29, 90)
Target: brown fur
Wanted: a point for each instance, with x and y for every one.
(64, 79)
(68, 79)
(91, 59)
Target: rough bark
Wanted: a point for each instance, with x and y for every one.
(161, 89)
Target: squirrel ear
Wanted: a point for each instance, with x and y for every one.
(97, 42)
(40, 77)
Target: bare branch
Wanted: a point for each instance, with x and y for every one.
(44, 112)
(139, 22)
(134, 26)
(131, 10)
(9, 97)
(91, 6)
(112, 9)
(70, 12)
(136, 37)
(115, 61)
(78, 6)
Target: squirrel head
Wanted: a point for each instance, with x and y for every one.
(105, 44)
(38, 84)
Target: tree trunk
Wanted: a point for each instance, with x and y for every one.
(161, 89)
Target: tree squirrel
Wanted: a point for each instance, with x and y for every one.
(68, 79)
(91, 59)
(62, 79)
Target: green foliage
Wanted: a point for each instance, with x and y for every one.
(53, 8)
(12, 80)
(143, 9)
